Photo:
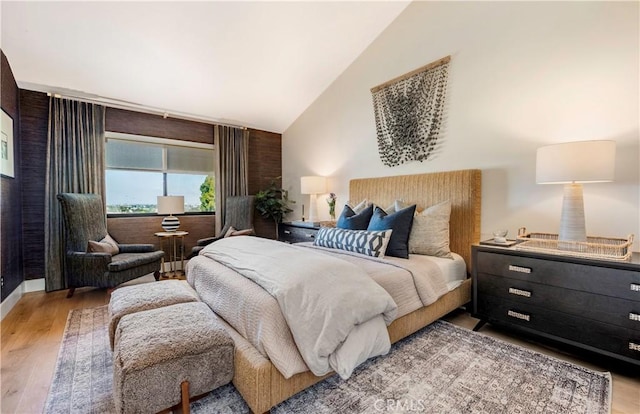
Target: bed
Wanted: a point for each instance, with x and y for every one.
(257, 378)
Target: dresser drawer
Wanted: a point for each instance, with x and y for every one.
(578, 331)
(619, 283)
(607, 309)
(293, 234)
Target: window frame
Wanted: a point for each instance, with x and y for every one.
(164, 143)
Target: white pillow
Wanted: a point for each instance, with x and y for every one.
(430, 231)
(396, 206)
(106, 245)
(360, 206)
(234, 232)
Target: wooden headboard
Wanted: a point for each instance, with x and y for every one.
(462, 188)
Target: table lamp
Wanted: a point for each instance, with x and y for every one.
(170, 205)
(313, 185)
(571, 164)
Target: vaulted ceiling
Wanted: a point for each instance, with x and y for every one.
(256, 64)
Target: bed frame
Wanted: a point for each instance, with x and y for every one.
(261, 384)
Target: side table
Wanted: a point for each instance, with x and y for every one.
(172, 245)
(295, 233)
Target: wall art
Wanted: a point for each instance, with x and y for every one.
(409, 111)
(6, 145)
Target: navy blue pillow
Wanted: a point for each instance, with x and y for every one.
(400, 222)
(352, 221)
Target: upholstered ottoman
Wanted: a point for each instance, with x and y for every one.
(146, 296)
(158, 351)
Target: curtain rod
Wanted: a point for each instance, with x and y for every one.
(117, 104)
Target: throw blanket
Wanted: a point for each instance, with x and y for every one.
(336, 313)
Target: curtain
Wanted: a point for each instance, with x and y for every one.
(75, 164)
(232, 154)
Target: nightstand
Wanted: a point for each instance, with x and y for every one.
(295, 233)
(590, 304)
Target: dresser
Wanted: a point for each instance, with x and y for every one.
(591, 304)
(294, 233)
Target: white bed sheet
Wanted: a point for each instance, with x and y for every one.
(454, 271)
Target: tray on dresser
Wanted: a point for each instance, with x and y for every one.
(492, 242)
(605, 248)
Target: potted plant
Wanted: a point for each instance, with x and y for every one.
(273, 203)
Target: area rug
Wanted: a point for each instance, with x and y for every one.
(440, 369)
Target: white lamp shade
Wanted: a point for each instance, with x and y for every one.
(170, 204)
(579, 162)
(313, 185)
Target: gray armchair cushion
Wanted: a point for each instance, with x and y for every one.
(125, 261)
(90, 259)
(136, 248)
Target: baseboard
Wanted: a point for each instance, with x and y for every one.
(27, 286)
(11, 300)
(33, 285)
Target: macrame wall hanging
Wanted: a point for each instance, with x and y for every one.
(408, 112)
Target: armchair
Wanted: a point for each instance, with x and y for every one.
(238, 214)
(85, 221)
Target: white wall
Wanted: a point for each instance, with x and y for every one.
(523, 75)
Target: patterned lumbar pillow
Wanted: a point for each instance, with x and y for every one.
(106, 245)
(430, 231)
(351, 220)
(400, 222)
(370, 243)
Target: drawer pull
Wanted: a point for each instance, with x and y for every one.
(635, 287)
(311, 235)
(634, 316)
(634, 347)
(287, 231)
(519, 269)
(518, 315)
(520, 292)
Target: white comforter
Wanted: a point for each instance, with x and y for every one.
(337, 315)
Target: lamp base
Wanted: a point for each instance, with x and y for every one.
(572, 222)
(170, 223)
(313, 208)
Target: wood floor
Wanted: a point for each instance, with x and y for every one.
(32, 331)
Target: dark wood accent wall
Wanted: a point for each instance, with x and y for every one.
(34, 118)
(265, 164)
(142, 229)
(138, 123)
(10, 189)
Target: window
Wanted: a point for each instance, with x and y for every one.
(138, 169)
